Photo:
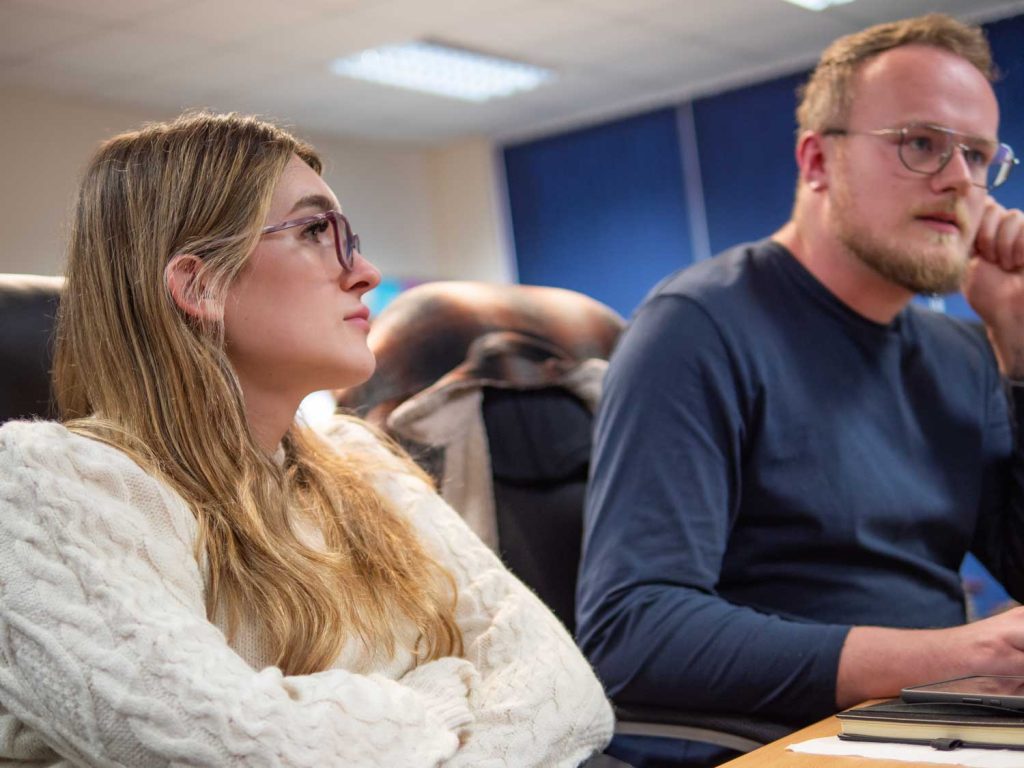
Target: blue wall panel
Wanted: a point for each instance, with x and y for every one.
(601, 210)
(745, 141)
(1007, 40)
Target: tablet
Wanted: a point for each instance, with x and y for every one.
(992, 690)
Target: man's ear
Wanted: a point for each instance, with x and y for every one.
(183, 275)
(811, 160)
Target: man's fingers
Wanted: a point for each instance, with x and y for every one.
(1009, 241)
(1000, 237)
(984, 240)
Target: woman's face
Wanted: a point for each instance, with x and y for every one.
(294, 320)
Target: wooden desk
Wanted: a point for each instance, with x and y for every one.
(775, 755)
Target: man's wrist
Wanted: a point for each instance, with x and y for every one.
(1009, 351)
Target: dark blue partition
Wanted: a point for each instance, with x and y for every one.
(1007, 40)
(745, 141)
(601, 210)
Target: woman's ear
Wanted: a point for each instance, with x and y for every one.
(183, 275)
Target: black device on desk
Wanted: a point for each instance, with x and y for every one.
(945, 725)
(991, 690)
(977, 711)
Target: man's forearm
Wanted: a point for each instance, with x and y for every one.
(877, 662)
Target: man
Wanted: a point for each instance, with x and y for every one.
(791, 460)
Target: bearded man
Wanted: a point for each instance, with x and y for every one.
(791, 459)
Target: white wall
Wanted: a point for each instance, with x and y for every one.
(44, 144)
(421, 212)
(470, 218)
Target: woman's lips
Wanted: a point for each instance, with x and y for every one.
(360, 318)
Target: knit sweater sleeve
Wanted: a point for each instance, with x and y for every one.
(536, 701)
(107, 655)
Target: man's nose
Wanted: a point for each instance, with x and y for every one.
(955, 174)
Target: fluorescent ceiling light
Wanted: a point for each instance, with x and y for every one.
(441, 70)
(818, 5)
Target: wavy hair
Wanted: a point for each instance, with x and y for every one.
(135, 371)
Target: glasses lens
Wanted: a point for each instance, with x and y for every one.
(349, 244)
(1001, 166)
(342, 239)
(925, 149)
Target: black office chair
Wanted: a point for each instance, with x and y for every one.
(28, 308)
(509, 376)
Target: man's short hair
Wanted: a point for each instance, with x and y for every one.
(826, 97)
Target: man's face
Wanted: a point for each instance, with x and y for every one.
(916, 230)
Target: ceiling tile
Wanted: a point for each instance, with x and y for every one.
(123, 51)
(27, 28)
(271, 56)
(770, 29)
(227, 23)
(634, 8)
(664, 62)
(323, 39)
(597, 46)
(112, 10)
(434, 18)
(866, 12)
(58, 82)
(526, 26)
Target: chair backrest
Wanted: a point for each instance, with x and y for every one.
(28, 308)
(492, 389)
(540, 454)
(427, 331)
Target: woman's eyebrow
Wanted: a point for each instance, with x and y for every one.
(322, 202)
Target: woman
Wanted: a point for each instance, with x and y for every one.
(187, 576)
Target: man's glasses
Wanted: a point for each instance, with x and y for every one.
(316, 227)
(927, 149)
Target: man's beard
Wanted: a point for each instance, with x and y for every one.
(936, 270)
(917, 270)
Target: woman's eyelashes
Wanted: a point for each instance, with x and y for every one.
(314, 231)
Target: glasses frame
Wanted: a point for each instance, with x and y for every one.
(346, 254)
(1003, 156)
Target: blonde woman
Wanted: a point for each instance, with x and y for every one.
(187, 576)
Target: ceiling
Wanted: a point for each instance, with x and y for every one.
(271, 57)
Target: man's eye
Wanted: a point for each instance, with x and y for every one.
(920, 142)
(977, 157)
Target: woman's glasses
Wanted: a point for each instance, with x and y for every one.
(318, 224)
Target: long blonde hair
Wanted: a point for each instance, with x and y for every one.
(133, 370)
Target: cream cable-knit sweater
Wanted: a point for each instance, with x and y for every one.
(107, 658)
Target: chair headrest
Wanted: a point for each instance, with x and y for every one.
(28, 308)
(427, 331)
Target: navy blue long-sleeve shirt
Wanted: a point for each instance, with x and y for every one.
(771, 468)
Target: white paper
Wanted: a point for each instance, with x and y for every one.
(915, 753)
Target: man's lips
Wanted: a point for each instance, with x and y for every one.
(944, 220)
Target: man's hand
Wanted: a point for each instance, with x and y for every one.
(994, 283)
(876, 662)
